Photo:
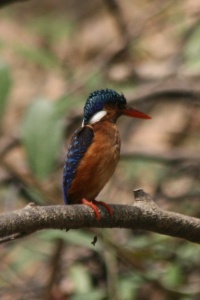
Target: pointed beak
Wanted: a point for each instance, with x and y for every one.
(134, 113)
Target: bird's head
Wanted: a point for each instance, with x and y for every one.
(108, 103)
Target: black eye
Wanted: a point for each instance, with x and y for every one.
(120, 105)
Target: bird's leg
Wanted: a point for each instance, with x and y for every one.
(109, 209)
(93, 205)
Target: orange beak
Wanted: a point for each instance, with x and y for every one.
(134, 113)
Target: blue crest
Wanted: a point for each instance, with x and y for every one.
(98, 99)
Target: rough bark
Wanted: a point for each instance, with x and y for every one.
(144, 214)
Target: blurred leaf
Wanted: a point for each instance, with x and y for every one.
(139, 242)
(97, 294)
(5, 86)
(173, 275)
(81, 278)
(188, 254)
(42, 135)
(136, 168)
(39, 56)
(47, 27)
(83, 284)
(25, 258)
(66, 102)
(34, 195)
(128, 286)
(192, 50)
(94, 81)
(76, 237)
(2, 43)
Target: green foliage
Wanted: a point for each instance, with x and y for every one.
(128, 285)
(173, 275)
(137, 168)
(25, 258)
(97, 294)
(38, 56)
(65, 103)
(42, 134)
(46, 26)
(81, 278)
(73, 237)
(5, 86)
(35, 196)
(192, 50)
(95, 81)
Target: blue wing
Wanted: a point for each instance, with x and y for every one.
(79, 144)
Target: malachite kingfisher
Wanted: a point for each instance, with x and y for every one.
(94, 149)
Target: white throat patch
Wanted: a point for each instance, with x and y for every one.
(97, 117)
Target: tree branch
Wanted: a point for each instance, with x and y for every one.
(171, 157)
(172, 93)
(144, 214)
(8, 2)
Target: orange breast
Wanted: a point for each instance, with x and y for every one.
(98, 164)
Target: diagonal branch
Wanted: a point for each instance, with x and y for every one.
(144, 214)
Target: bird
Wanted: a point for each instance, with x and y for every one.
(94, 149)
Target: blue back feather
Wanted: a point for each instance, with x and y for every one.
(79, 144)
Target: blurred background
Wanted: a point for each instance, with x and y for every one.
(52, 55)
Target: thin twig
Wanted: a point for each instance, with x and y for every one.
(116, 12)
(171, 157)
(7, 144)
(54, 267)
(173, 93)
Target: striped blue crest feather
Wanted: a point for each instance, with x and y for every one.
(98, 99)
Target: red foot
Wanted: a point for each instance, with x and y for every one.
(109, 209)
(93, 205)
